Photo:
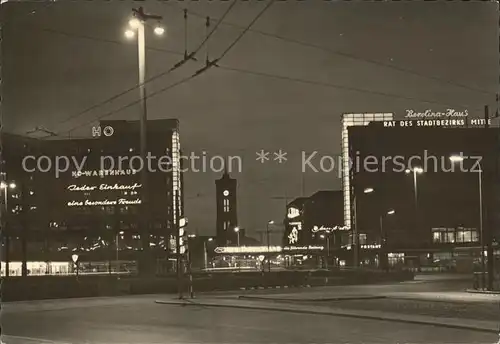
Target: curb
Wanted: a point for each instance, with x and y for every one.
(347, 298)
(485, 292)
(430, 322)
(275, 287)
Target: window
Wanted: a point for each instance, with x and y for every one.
(226, 225)
(226, 205)
(443, 235)
(465, 235)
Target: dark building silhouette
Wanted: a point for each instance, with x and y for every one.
(92, 211)
(310, 219)
(227, 211)
(436, 211)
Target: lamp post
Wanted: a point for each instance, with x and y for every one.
(237, 231)
(205, 252)
(459, 158)
(137, 23)
(327, 237)
(117, 251)
(415, 171)
(268, 246)
(383, 237)
(4, 186)
(74, 258)
(355, 235)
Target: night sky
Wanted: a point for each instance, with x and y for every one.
(66, 57)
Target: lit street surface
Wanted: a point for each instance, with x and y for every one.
(139, 319)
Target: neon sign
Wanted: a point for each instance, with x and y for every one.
(105, 202)
(317, 229)
(102, 173)
(293, 237)
(293, 213)
(264, 249)
(104, 187)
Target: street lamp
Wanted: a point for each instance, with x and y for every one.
(459, 158)
(117, 250)
(327, 237)
(237, 231)
(268, 245)
(383, 236)
(368, 190)
(137, 23)
(415, 171)
(74, 258)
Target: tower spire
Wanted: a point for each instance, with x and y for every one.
(226, 168)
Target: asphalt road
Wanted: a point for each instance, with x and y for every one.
(139, 320)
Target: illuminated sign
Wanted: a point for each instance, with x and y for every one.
(104, 187)
(317, 229)
(293, 237)
(264, 249)
(102, 173)
(293, 213)
(431, 114)
(183, 222)
(105, 202)
(248, 249)
(366, 247)
(464, 122)
(302, 248)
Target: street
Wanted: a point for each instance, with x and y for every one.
(138, 319)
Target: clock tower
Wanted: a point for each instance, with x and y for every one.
(227, 215)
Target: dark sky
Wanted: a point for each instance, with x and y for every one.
(66, 57)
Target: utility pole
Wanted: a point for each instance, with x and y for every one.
(178, 244)
(142, 18)
(489, 234)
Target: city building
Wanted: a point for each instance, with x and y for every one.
(85, 197)
(350, 120)
(314, 228)
(226, 211)
(424, 193)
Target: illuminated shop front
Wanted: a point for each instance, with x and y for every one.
(258, 257)
(316, 221)
(95, 208)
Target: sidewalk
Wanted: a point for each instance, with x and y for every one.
(333, 294)
(469, 324)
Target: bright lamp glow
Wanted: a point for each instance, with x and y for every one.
(407, 171)
(368, 190)
(456, 158)
(3, 185)
(418, 170)
(210, 239)
(129, 34)
(12, 185)
(74, 258)
(390, 212)
(159, 30)
(134, 23)
(236, 229)
(271, 222)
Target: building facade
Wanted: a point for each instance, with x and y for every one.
(226, 211)
(416, 200)
(86, 197)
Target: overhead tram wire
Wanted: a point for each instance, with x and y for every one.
(184, 80)
(179, 64)
(329, 85)
(346, 55)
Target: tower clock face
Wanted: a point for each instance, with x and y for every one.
(226, 193)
